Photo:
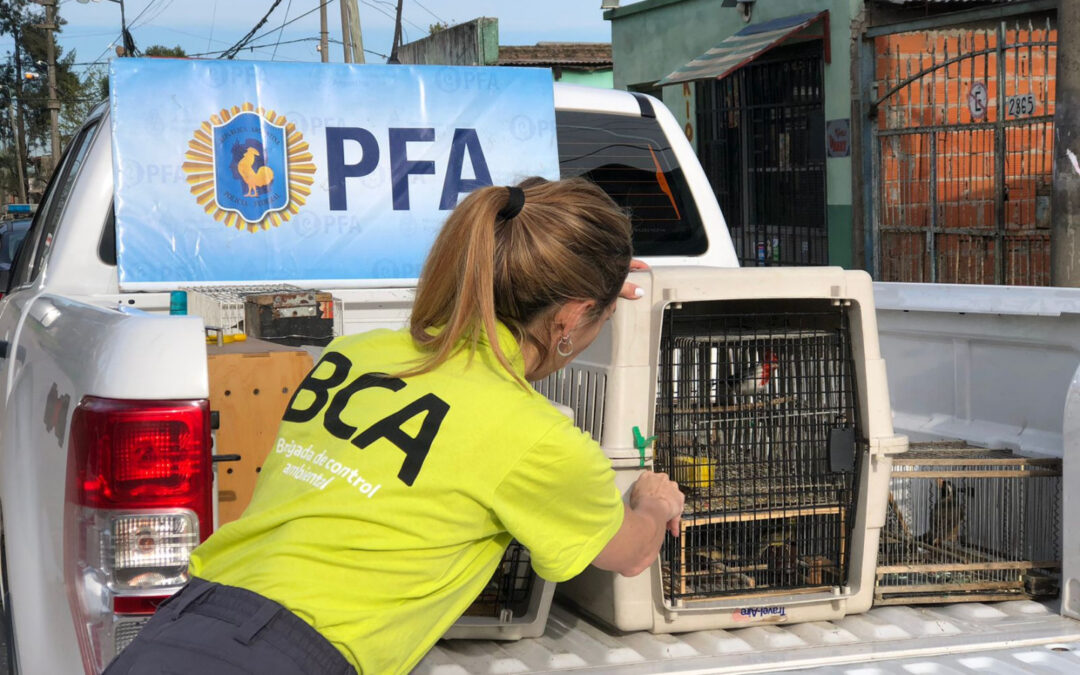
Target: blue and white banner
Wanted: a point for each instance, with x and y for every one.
(232, 172)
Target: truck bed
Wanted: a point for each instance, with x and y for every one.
(1010, 637)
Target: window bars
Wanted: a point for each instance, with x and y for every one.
(970, 524)
(756, 420)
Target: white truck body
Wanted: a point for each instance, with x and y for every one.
(66, 330)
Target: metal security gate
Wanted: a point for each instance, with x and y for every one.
(963, 155)
(761, 140)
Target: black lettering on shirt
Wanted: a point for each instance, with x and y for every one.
(415, 449)
(319, 386)
(332, 420)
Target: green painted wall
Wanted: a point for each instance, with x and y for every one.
(596, 78)
(651, 38)
(840, 219)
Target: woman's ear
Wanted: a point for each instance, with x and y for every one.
(570, 315)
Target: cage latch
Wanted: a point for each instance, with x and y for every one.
(641, 444)
(888, 446)
(842, 450)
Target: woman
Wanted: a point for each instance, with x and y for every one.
(408, 460)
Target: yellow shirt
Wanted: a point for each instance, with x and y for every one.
(385, 505)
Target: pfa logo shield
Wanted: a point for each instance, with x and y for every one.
(249, 168)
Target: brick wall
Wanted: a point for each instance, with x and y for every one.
(938, 156)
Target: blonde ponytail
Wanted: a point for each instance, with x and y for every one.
(569, 241)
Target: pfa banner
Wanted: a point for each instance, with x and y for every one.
(232, 172)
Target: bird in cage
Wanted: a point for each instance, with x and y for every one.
(946, 515)
(781, 556)
(753, 379)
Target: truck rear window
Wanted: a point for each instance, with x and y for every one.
(629, 157)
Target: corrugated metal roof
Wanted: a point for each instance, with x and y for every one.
(582, 54)
(741, 48)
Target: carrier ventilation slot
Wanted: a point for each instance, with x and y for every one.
(581, 390)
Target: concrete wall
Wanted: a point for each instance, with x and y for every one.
(651, 38)
(475, 43)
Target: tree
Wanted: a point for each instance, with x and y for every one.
(13, 18)
(176, 52)
(22, 20)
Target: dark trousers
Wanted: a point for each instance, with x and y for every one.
(211, 629)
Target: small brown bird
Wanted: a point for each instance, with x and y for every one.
(781, 555)
(946, 516)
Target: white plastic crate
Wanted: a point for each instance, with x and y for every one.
(514, 605)
(516, 602)
(785, 475)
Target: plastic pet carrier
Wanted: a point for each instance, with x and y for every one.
(765, 396)
(514, 604)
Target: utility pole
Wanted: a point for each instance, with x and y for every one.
(13, 115)
(54, 102)
(345, 30)
(18, 122)
(397, 36)
(1065, 206)
(356, 38)
(324, 37)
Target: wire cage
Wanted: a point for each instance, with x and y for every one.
(756, 420)
(514, 604)
(222, 307)
(970, 524)
(224, 310)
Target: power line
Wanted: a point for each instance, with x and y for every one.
(151, 19)
(229, 53)
(294, 20)
(289, 42)
(281, 30)
(394, 6)
(384, 13)
(274, 29)
(213, 18)
(150, 4)
(437, 17)
(378, 9)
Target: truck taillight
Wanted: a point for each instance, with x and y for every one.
(138, 502)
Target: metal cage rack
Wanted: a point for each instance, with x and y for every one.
(507, 594)
(970, 524)
(756, 420)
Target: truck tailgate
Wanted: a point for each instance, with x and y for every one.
(1017, 636)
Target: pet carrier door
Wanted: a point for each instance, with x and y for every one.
(756, 420)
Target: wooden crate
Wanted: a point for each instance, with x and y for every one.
(967, 524)
(251, 384)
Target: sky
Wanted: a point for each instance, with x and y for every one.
(201, 26)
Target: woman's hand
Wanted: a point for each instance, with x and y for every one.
(661, 489)
(633, 291)
(654, 507)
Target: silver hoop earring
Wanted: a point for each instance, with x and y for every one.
(566, 350)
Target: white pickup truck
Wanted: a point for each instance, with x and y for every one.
(94, 532)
